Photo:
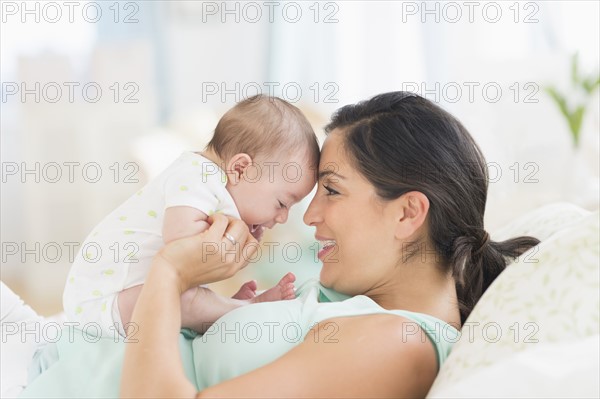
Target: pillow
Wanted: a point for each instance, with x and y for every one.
(543, 306)
(542, 222)
(535, 373)
(20, 339)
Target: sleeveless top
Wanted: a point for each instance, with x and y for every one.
(249, 337)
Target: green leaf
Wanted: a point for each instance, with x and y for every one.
(580, 83)
(575, 121)
(589, 85)
(575, 69)
(574, 118)
(559, 99)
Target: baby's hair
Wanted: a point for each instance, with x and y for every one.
(263, 126)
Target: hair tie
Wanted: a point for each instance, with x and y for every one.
(484, 241)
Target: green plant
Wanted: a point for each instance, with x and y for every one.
(584, 86)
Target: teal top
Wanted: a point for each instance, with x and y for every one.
(242, 340)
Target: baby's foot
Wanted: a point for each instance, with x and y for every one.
(246, 291)
(284, 289)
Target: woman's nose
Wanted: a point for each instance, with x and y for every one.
(312, 214)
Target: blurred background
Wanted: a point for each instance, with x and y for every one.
(99, 97)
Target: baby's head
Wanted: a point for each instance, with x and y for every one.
(270, 154)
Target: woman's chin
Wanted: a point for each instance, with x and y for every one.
(326, 280)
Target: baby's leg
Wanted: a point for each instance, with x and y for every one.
(201, 307)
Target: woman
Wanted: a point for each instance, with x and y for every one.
(399, 208)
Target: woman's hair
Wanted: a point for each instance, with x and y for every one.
(264, 126)
(402, 142)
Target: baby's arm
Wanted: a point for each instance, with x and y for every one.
(178, 222)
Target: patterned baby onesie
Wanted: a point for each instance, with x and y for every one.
(119, 251)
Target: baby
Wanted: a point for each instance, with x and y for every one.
(260, 161)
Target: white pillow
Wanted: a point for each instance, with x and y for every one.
(546, 301)
(535, 373)
(542, 222)
(19, 342)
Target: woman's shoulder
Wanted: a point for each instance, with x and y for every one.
(389, 327)
(387, 347)
(329, 308)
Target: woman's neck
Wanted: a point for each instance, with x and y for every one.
(420, 288)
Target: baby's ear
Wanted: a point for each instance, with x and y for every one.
(237, 166)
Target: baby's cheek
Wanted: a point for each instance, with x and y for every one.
(254, 214)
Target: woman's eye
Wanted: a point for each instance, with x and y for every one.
(330, 191)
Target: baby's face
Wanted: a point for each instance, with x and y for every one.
(268, 189)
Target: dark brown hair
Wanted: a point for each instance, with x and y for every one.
(402, 142)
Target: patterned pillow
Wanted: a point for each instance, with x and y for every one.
(542, 222)
(547, 299)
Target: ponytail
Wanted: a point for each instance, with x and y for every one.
(476, 263)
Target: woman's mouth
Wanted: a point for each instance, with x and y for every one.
(327, 247)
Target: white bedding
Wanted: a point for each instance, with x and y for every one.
(557, 367)
(564, 370)
(535, 332)
(21, 336)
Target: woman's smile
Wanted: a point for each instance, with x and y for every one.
(327, 246)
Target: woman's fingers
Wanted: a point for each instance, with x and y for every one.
(245, 244)
(218, 225)
(227, 230)
(250, 247)
(236, 231)
(236, 245)
(213, 255)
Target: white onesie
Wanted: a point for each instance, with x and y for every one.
(119, 251)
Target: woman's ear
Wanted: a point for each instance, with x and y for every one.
(237, 166)
(412, 212)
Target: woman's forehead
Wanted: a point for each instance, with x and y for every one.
(333, 148)
(334, 157)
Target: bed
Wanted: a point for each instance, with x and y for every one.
(534, 333)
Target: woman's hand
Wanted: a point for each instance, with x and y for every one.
(152, 365)
(210, 256)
